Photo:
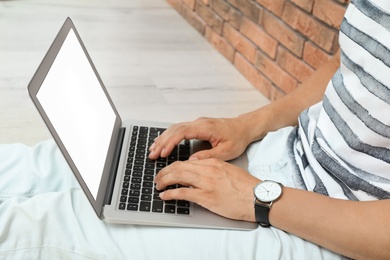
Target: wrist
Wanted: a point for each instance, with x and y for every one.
(255, 124)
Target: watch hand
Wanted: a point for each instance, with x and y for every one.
(264, 188)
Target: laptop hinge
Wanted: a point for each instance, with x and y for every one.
(114, 168)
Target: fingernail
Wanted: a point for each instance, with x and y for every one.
(161, 195)
(152, 147)
(193, 158)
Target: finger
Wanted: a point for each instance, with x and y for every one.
(219, 152)
(184, 173)
(164, 144)
(171, 137)
(189, 194)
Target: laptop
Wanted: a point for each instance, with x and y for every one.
(108, 156)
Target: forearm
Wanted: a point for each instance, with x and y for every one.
(356, 229)
(285, 111)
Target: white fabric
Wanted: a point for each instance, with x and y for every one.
(45, 215)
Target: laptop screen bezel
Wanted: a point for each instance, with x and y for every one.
(33, 89)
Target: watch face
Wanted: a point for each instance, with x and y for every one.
(268, 191)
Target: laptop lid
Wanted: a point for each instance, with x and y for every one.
(72, 100)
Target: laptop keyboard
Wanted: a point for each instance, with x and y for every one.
(138, 189)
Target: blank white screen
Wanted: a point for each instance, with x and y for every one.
(79, 111)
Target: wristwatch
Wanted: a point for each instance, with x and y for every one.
(266, 193)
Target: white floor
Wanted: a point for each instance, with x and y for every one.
(154, 65)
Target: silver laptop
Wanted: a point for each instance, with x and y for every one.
(108, 156)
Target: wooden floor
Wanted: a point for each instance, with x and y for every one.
(154, 65)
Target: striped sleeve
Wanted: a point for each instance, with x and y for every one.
(342, 146)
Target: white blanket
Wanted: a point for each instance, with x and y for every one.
(45, 215)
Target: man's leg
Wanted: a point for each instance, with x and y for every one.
(45, 215)
(28, 171)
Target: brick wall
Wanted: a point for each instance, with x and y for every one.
(275, 44)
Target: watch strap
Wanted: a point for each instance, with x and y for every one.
(262, 213)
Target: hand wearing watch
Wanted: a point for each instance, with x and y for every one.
(266, 193)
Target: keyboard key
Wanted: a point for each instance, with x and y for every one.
(183, 211)
(144, 129)
(157, 206)
(156, 196)
(172, 157)
(135, 186)
(146, 191)
(149, 171)
(122, 206)
(149, 165)
(134, 193)
(133, 200)
(137, 174)
(139, 168)
(133, 207)
(161, 164)
(143, 135)
(170, 209)
(136, 180)
(145, 206)
(146, 197)
(147, 184)
(183, 203)
(139, 156)
(148, 178)
(138, 162)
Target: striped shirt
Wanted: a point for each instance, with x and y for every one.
(342, 145)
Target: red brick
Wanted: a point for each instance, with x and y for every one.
(259, 37)
(283, 33)
(229, 14)
(276, 74)
(275, 6)
(248, 8)
(310, 27)
(314, 55)
(239, 42)
(190, 4)
(193, 19)
(176, 4)
(307, 5)
(293, 65)
(253, 75)
(220, 44)
(276, 93)
(334, 17)
(210, 17)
